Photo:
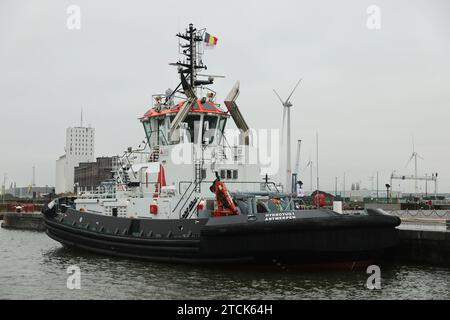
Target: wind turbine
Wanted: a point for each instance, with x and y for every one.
(414, 156)
(287, 112)
(297, 158)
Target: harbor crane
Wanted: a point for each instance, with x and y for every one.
(426, 178)
(296, 173)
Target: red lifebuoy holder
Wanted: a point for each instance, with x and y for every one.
(154, 207)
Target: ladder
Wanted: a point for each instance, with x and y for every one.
(154, 156)
(191, 199)
(198, 177)
(193, 191)
(193, 204)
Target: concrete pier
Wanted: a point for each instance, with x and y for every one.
(24, 221)
(424, 241)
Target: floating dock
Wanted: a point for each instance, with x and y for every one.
(23, 221)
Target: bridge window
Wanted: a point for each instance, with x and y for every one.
(229, 174)
(193, 126)
(209, 129)
(162, 130)
(221, 127)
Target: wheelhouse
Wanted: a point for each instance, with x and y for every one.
(204, 124)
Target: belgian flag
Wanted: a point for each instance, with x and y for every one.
(210, 40)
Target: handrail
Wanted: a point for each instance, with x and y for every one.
(182, 196)
(187, 199)
(192, 211)
(228, 182)
(196, 183)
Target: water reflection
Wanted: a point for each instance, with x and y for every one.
(34, 267)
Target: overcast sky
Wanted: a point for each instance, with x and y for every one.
(367, 92)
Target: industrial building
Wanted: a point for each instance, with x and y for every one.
(80, 142)
(89, 175)
(30, 192)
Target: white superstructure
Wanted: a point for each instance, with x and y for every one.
(185, 149)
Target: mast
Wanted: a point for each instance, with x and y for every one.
(335, 186)
(33, 180)
(343, 188)
(288, 153)
(317, 164)
(377, 186)
(416, 189)
(192, 62)
(297, 158)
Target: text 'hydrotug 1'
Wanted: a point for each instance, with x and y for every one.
(214, 208)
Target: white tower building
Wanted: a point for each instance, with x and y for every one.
(80, 142)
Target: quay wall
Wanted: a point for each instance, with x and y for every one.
(424, 246)
(23, 221)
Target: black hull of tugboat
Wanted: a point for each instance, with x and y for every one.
(304, 240)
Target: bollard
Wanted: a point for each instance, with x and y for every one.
(337, 206)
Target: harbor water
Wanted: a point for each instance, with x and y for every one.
(35, 267)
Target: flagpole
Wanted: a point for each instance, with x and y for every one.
(377, 186)
(317, 160)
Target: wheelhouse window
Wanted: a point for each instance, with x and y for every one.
(148, 131)
(156, 131)
(221, 127)
(209, 129)
(193, 126)
(170, 120)
(203, 173)
(162, 131)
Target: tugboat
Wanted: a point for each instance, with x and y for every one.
(195, 198)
